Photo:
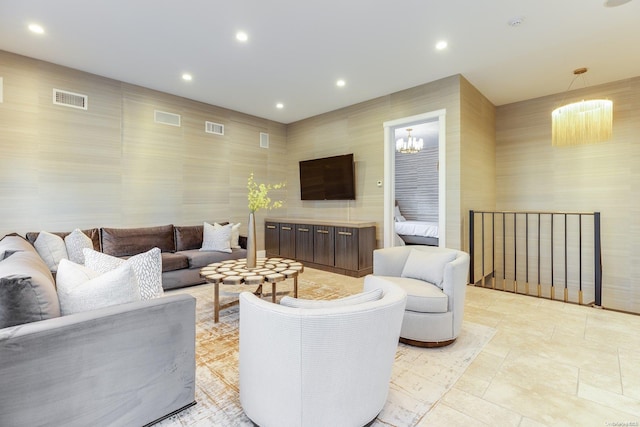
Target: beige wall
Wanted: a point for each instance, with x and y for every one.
(112, 165)
(358, 129)
(604, 177)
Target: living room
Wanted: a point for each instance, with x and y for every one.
(113, 165)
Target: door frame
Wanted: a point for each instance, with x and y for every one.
(389, 172)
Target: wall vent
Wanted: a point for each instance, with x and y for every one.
(264, 140)
(215, 128)
(165, 118)
(70, 99)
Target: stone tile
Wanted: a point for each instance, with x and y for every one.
(550, 407)
(616, 401)
(630, 372)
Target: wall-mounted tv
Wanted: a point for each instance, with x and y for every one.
(329, 178)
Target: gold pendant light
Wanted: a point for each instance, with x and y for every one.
(410, 145)
(582, 122)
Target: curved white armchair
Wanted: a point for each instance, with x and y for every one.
(435, 280)
(323, 363)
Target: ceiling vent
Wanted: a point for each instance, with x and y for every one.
(165, 118)
(264, 140)
(70, 99)
(214, 128)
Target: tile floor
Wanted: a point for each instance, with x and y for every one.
(550, 363)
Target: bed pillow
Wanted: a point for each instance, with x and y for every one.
(235, 236)
(216, 237)
(147, 268)
(75, 242)
(51, 249)
(427, 266)
(372, 295)
(83, 289)
(397, 215)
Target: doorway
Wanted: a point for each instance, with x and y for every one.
(402, 124)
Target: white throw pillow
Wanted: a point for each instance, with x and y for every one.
(82, 289)
(372, 295)
(51, 249)
(427, 266)
(216, 237)
(75, 242)
(397, 215)
(147, 268)
(235, 236)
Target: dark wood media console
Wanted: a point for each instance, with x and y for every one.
(344, 247)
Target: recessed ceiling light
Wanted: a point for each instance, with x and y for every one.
(341, 83)
(441, 45)
(188, 77)
(515, 22)
(280, 105)
(242, 36)
(35, 28)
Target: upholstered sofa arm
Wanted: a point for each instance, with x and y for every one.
(128, 364)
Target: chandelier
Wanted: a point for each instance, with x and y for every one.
(582, 122)
(410, 145)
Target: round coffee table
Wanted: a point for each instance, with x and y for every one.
(235, 272)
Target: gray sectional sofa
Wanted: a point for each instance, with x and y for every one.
(130, 364)
(180, 246)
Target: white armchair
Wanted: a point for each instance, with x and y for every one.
(435, 280)
(321, 363)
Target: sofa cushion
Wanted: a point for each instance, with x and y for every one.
(422, 296)
(132, 241)
(427, 266)
(198, 259)
(92, 233)
(147, 268)
(75, 242)
(51, 248)
(82, 289)
(174, 261)
(28, 291)
(13, 243)
(216, 237)
(188, 237)
(367, 296)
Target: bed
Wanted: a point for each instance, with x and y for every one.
(417, 232)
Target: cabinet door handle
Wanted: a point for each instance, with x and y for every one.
(303, 229)
(286, 228)
(271, 226)
(344, 233)
(323, 231)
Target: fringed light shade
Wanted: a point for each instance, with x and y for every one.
(582, 122)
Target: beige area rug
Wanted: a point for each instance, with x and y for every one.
(420, 377)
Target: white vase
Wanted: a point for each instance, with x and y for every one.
(251, 242)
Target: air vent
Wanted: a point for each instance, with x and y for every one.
(70, 99)
(165, 118)
(215, 128)
(264, 140)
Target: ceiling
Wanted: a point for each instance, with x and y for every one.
(298, 49)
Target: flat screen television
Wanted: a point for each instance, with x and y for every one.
(328, 178)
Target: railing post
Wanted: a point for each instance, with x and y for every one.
(471, 248)
(597, 259)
